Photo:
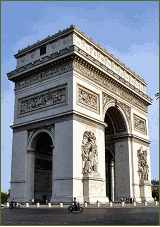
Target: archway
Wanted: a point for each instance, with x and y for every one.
(116, 128)
(43, 167)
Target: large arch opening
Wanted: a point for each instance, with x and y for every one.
(43, 167)
(116, 128)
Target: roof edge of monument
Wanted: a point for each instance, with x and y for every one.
(74, 28)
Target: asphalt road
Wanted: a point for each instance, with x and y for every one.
(90, 216)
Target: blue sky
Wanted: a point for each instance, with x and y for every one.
(127, 29)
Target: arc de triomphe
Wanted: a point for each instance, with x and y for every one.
(80, 124)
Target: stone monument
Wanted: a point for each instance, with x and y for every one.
(80, 124)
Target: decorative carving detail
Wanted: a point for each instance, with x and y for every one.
(33, 55)
(106, 98)
(48, 98)
(109, 85)
(65, 40)
(43, 75)
(139, 124)
(88, 99)
(127, 111)
(54, 46)
(143, 168)
(89, 152)
(49, 128)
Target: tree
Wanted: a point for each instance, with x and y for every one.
(5, 196)
(155, 193)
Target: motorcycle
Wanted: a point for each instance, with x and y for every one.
(14, 205)
(73, 208)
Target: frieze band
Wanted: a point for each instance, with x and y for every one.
(108, 84)
(48, 98)
(43, 75)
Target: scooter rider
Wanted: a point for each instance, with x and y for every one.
(75, 204)
(13, 203)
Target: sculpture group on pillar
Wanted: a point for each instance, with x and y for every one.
(143, 168)
(89, 152)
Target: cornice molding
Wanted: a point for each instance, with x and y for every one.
(105, 71)
(134, 137)
(102, 71)
(105, 80)
(51, 60)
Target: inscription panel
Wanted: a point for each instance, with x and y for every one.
(50, 98)
(87, 99)
(139, 124)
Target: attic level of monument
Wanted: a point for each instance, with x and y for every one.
(63, 36)
(75, 37)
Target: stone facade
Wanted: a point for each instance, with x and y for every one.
(80, 124)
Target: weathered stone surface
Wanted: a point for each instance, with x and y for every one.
(80, 118)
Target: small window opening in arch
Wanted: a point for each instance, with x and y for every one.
(43, 50)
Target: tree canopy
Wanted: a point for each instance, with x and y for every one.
(155, 193)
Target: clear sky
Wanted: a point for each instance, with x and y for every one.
(127, 29)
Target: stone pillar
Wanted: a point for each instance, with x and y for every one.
(30, 175)
(19, 167)
(112, 179)
(122, 168)
(86, 187)
(52, 173)
(144, 190)
(62, 170)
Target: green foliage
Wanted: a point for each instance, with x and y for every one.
(5, 196)
(155, 193)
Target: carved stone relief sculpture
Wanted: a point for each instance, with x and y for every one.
(87, 99)
(49, 98)
(139, 124)
(89, 152)
(143, 168)
(106, 98)
(109, 85)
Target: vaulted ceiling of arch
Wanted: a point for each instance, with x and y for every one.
(44, 143)
(114, 117)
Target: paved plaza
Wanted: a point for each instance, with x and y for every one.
(92, 215)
